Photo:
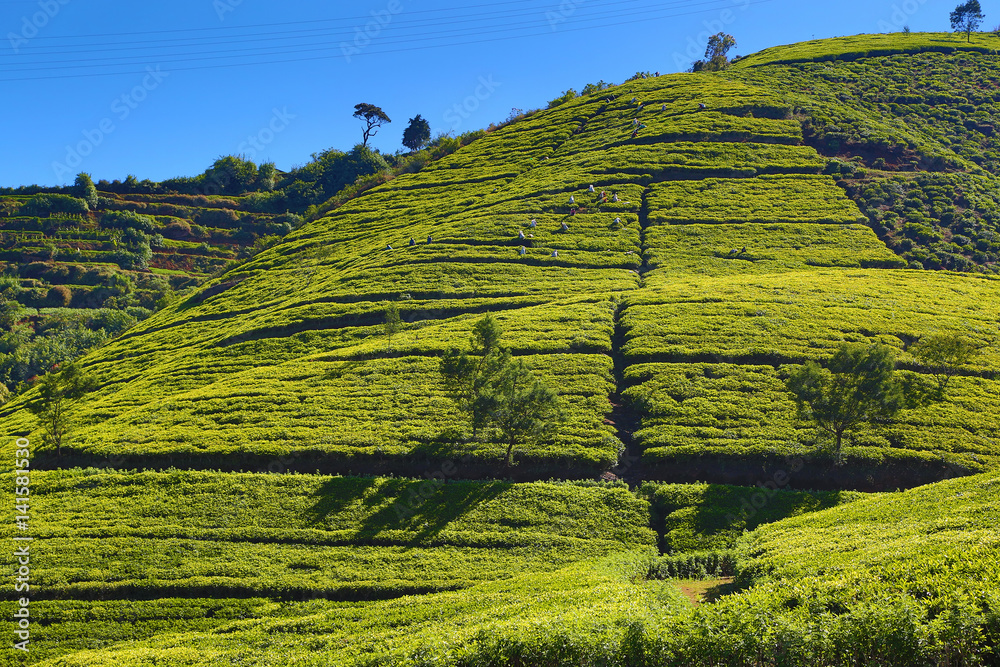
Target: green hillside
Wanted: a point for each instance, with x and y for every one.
(896, 579)
(283, 355)
(263, 475)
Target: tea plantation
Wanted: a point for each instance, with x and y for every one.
(269, 473)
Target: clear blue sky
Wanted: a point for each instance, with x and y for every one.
(117, 88)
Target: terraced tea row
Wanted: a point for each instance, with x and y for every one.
(895, 562)
(112, 535)
(708, 358)
(289, 354)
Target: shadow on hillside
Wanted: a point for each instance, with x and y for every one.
(725, 509)
(719, 591)
(421, 508)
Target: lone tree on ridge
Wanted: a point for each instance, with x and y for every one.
(716, 53)
(967, 17)
(417, 133)
(373, 118)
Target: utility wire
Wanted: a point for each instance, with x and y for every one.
(362, 52)
(270, 50)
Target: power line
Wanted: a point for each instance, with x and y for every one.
(366, 52)
(395, 24)
(270, 25)
(324, 45)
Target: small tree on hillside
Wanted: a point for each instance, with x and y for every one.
(944, 355)
(858, 386)
(417, 133)
(498, 392)
(967, 17)
(58, 392)
(267, 174)
(373, 118)
(521, 407)
(393, 324)
(469, 375)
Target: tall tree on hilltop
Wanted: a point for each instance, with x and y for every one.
(417, 133)
(716, 53)
(84, 188)
(967, 17)
(373, 118)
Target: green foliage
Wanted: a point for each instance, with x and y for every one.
(562, 99)
(855, 47)
(498, 392)
(202, 533)
(469, 376)
(84, 189)
(941, 221)
(47, 204)
(858, 386)
(127, 220)
(417, 133)
(716, 53)
(373, 118)
(56, 395)
(59, 337)
(966, 18)
(231, 174)
(770, 199)
(592, 88)
(523, 409)
(700, 518)
(267, 175)
(393, 324)
(945, 355)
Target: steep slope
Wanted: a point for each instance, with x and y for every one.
(727, 251)
(712, 247)
(913, 104)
